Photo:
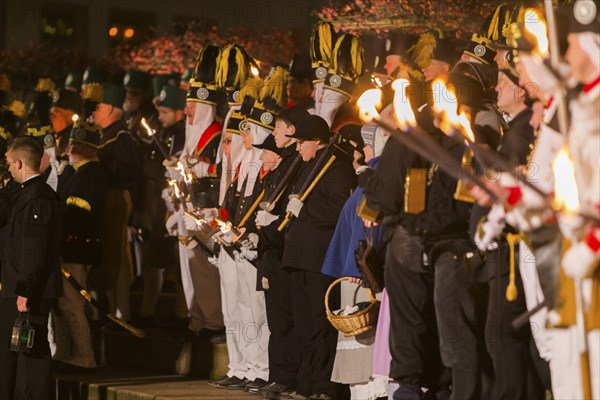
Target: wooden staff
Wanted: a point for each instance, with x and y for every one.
(490, 158)
(152, 134)
(84, 293)
(307, 192)
(252, 209)
(282, 185)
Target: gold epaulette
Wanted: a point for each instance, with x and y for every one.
(79, 203)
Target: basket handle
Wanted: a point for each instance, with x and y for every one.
(372, 297)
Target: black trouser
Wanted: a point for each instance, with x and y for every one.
(413, 333)
(316, 337)
(35, 369)
(460, 322)
(284, 355)
(520, 372)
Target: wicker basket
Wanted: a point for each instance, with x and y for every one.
(353, 324)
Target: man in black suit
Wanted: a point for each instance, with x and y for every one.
(306, 244)
(30, 272)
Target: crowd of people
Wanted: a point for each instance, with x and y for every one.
(448, 189)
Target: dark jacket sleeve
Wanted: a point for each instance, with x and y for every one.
(39, 218)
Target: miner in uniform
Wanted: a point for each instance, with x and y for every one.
(306, 244)
(284, 356)
(119, 159)
(81, 246)
(157, 252)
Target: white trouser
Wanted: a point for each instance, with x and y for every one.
(244, 314)
(255, 332)
(565, 365)
(533, 297)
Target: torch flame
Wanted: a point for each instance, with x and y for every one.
(537, 27)
(376, 81)
(173, 184)
(148, 129)
(444, 100)
(75, 118)
(254, 71)
(445, 104)
(402, 109)
(463, 120)
(566, 194)
(367, 104)
(187, 177)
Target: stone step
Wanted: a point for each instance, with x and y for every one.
(164, 351)
(127, 384)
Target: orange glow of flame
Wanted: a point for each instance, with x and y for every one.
(375, 80)
(566, 194)
(75, 118)
(446, 104)
(147, 127)
(367, 104)
(187, 177)
(175, 187)
(465, 124)
(537, 27)
(254, 71)
(402, 109)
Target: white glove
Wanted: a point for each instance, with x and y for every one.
(173, 173)
(171, 224)
(522, 220)
(167, 196)
(264, 218)
(227, 236)
(532, 199)
(248, 254)
(251, 242)
(295, 205)
(213, 260)
(571, 226)
(209, 214)
(201, 169)
(190, 223)
(579, 260)
(237, 257)
(485, 236)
